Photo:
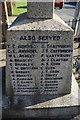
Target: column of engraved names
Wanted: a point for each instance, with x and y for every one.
(24, 74)
(22, 61)
(11, 54)
(52, 57)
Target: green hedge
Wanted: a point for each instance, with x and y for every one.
(19, 8)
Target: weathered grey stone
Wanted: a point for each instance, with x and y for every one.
(41, 60)
(0, 12)
(0, 22)
(0, 33)
(40, 9)
(66, 106)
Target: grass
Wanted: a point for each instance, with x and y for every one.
(19, 8)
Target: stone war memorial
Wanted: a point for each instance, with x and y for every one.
(39, 80)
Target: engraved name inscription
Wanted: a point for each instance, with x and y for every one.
(36, 65)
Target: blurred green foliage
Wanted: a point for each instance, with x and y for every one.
(20, 7)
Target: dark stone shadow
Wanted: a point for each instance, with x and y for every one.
(22, 7)
(72, 117)
(3, 46)
(22, 19)
(25, 101)
(3, 80)
(78, 56)
(56, 118)
(77, 40)
(48, 118)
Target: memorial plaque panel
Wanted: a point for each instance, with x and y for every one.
(39, 61)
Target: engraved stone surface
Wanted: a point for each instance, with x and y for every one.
(40, 9)
(66, 106)
(39, 57)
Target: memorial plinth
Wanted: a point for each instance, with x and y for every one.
(39, 57)
(63, 107)
(39, 67)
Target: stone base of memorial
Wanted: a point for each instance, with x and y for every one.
(39, 57)
(39, 78)
(67, 106)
